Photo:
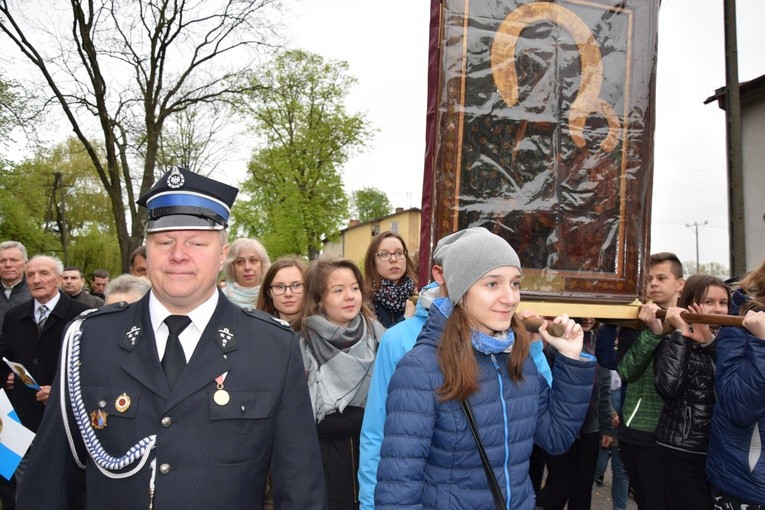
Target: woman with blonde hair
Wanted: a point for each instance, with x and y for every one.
(243, 271)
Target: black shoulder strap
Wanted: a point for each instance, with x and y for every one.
(496, 493)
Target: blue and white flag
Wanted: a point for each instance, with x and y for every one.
(15, 438)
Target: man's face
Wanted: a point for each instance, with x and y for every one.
(42, 279)
(183, 266)
(139, 266)
(11, 265)
(72, 283)
(98, 285)
(663, 286)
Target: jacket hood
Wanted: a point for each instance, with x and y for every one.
(434, 324)
(428, 294)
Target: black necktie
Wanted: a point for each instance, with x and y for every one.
(174, 361)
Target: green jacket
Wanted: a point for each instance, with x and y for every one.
(642, 404)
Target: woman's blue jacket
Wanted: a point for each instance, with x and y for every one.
(429, 458)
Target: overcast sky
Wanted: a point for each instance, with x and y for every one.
(386, 45)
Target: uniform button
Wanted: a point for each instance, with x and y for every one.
(164, 469)
(166, 421)
(35, 361)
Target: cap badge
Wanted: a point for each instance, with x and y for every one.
(175, 180)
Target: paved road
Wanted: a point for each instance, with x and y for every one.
(601, 495)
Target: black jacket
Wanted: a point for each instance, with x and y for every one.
(386, 317)
(685, 377)
(38, 351)
(339, 442)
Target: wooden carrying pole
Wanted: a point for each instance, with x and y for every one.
(534, 323)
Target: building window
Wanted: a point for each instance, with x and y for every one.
(375, 229)
(394, 227)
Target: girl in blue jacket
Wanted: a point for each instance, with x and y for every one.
(736, 460)
(474, 348)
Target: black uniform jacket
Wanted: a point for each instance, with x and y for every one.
(207, 455)
(37, 350)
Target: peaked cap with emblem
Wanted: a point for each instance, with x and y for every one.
(183, 200)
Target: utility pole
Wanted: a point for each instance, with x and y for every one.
(696, 226)
(733, 137)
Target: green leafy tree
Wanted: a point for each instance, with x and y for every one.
(370, 203)
(15, 112)
(24, 191)
(120, 71)
(294, 180)
(53, 204)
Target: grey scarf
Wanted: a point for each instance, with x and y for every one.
(338, 362)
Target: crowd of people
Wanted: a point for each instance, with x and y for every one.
(338, 385)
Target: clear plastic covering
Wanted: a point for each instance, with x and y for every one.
(541, 125)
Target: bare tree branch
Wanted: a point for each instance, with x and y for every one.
(123, 69)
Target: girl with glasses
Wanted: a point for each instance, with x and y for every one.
(284, 286)
(389, 274)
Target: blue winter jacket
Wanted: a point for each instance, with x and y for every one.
(735, 460)
(396, 342)
(429, 458)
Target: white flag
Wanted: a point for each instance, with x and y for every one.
(15, 438)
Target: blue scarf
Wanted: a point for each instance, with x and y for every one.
(486, 344)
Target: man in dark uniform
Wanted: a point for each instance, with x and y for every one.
(199, 432)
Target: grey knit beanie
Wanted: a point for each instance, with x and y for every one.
(443, 245)
(469, 254)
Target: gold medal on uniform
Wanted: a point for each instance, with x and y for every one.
(221, 396)
(122, 403)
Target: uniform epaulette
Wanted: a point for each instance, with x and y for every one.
(132, 334)
(265, 317)
(106, 309)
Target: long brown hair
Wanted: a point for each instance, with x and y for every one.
(696, 288)
(265, 301)
(316, 287)
(372, 277)
(457, 359)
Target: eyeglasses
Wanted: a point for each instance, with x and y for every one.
(295, 288)
(386, 255)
